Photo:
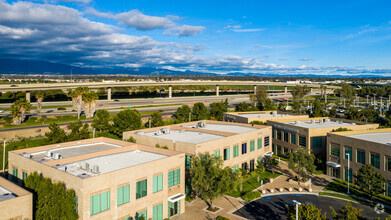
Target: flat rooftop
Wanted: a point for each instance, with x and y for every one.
(263, 115)
(223, 128)
(109, 163)
(377, 137)
(6, 194)
(320, 123)
(193, 137)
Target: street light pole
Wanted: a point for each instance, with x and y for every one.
(348, 171)
(4, 159)
(297, 208)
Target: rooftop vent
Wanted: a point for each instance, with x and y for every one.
(327, 120)
(296, 122)
(85, 166)
(95, 169)
(165, 130)
(274, 114)
(83, 175)
(137, 151)
(56, 156)
(201, 124)
(139, 132)
(48, 153)
(312, 121)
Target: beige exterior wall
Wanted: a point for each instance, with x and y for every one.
(20, 207)
(312, 132)
(212, 146)
(369, 147)
(240, 119)
(85, 188)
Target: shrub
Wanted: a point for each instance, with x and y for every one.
(131, 139)
(249, 196)
(222, 218)
(257, 123)
(7, 119)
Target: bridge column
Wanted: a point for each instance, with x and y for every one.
(217, 90)
(255, 89)
(285, 89)
(170, 91)
(28, 96)
(109, 94)
(311, 90)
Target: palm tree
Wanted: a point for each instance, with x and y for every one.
(19, 109)
(77, 100)
(89, 99)
(39, 96)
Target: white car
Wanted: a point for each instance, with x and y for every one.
(1, 111)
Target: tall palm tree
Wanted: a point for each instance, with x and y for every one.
(77, 99)
(89, 99)
(19, 109)
(39, 96)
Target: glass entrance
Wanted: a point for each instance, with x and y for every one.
(334, 172)
(174, 208)
(252, 165)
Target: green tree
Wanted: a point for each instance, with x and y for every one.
(78, 131)
(217, 109)
(126, 120)
(346, 91)
(300, 91)
(267, 105)
(19, 109)
(242, 107)
(306, 212)
(200, 112)
(270, 162)
(261, 94)
(89, 99)
(317, 109)
(347, 212)
(51, 200)
(77, 98)
(260, 169)
(296, 106)
(156, 120)
(101, 121)
(206, 167)
(302, 162)
(55, 135)
(182, 113)
(369, 180)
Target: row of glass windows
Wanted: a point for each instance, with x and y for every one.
(15, 175)
(157, 211)
(285, 137)
(235, 149)
(279, 151)
(101, 202)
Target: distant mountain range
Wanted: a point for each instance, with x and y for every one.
(15, 66)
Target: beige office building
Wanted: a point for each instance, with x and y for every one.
(309, 133)
(112, 179)
(15, 202)
(361, 147)
(239, 145)
(261, 116)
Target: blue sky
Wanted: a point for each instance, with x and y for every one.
(282, 37)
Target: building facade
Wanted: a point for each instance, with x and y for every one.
(15, 202)
(112, 179)
(360, 147)
(261, 116)
(309, 133)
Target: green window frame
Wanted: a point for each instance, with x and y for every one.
(252, 146)
(174, 178)
(157, 183)
(279, 134)
(123, 195)
(187, 162)
(171, 208)
(334, 150)
(286, 136)
(316, 142)
(14, 174)
(235, 151)
(141, 189)
(259, 143)
(143, 213)
(226, 154)
(157, 212)
(235, 168)
(302, 141)
(293, 138)
(24, 175)
(375, 160)
(361, 156)
(349, 150)
(100, 203)
(388, 163)
(216, 153)
(266, 141)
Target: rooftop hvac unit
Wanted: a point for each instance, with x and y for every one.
(312, 121)
(321, 121)
(327, 120)
(56, 156)
(139, 132)
(274, 114)
(48, 153)
(340, 122)
(137, 151)
(296, 122)
(158, 132)
(201, 124)
(85, 166)
(165, 130)
(95, 169)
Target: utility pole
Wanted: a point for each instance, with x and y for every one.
(4, 158)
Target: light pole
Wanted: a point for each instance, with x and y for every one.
(367, 98)
(297, 208)
(4, 158)
(348, 170)
(374, 99)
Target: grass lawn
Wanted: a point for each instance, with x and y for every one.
(37, 120)
(251, 183)
(339, 196)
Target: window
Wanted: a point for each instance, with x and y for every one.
(236, 151)
(361, 156)
(174, 177)
(157, 183)
(267, 141)
(100, 203)
(316, 142)
(187, 162)
(274, 133)
(244, 148)
(157, 212)
(274, 148)
(388, 189)
(279, 134)
(334, 149)
(141, 189)
(375, 160)
(350, 173)
(286, 150)
(293, 138)
(24, 175)
(245, 166)
(235, 168)
(286, 136)
(259, 159)
(139, 214)
(174, 208)
(259, 143)
(252, 146)
(123, 195)
(388, 163)
(14, 174)
(348, 150)
(252, 165)
(226, 154)
(302, 141)
(216, 153)
(279, 153)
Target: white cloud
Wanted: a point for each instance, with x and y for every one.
(305, 59)
(184, 30)
(248, 30)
